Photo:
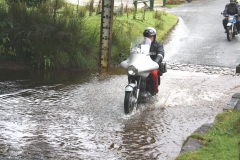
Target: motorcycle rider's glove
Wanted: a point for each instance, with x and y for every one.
(158, 58)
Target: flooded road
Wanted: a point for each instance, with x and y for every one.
(51, 115)
(83, 117)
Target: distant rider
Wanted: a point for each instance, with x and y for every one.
(231, 9)
(157, 55)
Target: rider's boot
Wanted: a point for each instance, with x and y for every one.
(145, 95)
(153, 93)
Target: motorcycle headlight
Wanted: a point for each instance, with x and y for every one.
(132, 70)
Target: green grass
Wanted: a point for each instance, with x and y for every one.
(65, 38)
(125, 28)
(221, 142)
(172, 5)
(168, 22)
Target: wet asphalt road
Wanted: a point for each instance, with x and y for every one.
(199, 37)
(52, 117)
(85, 120)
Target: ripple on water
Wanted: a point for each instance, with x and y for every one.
(87, 120)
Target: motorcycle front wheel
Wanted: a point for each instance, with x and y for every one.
(229, 34)
(129, 101)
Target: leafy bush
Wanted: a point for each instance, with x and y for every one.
(48, 36)
(57, 35)
(5, 26)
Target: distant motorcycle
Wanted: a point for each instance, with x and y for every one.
(138, 66)
(231, 27)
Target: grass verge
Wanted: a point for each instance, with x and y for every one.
(64, 36)
(222, 142)
(125, 28)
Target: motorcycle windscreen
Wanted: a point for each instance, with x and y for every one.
(145, 45)
(145, 48)
(147, 41)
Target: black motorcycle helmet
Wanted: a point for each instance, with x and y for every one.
(150, 31)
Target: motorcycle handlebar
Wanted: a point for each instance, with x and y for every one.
(234, 15)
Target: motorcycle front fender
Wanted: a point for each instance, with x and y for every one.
(229, 24)
(130, 87)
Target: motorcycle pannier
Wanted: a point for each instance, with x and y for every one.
(163, 67)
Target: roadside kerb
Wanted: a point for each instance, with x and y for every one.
(192, 144)
(203, 69)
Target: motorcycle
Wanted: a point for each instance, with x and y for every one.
(231, 27)
(138, 67)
